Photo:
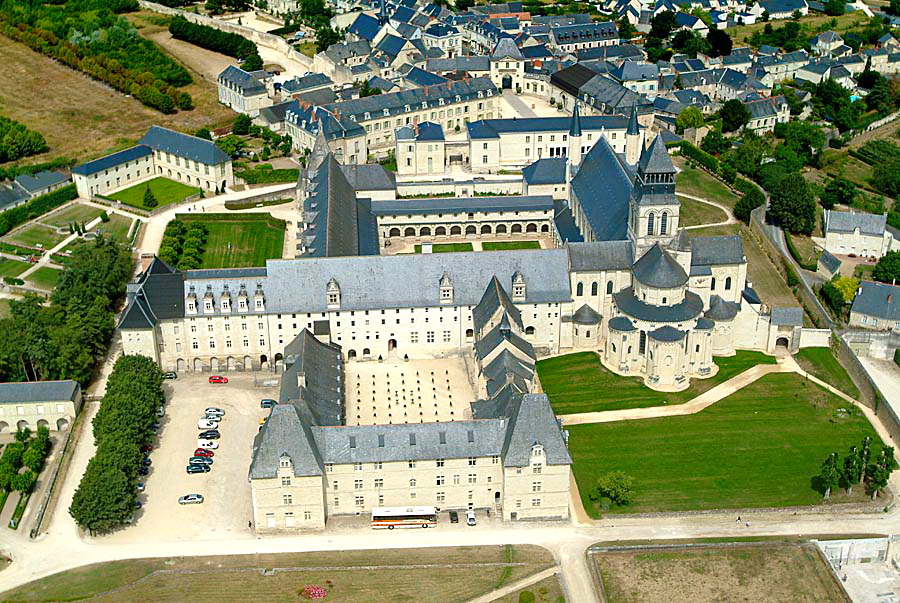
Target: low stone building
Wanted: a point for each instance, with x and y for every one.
(33, 404)
(859, 234)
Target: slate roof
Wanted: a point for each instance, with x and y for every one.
(184, 145)
(283, 435)
(40, 181)
(587, 32)
(549, 170)
(38, 391)
(877, 299)
(320, 366)
(631, 71)
(158, 294)
(365, 26)
(656, 268)
(506, 49)
(109, 161)
(244, 81)
(603, 188)
(297, 85)
(420, 77)
(585, 315)
(621, 324)
(717, 251)
(330, 211)
(829, 262)
(369, 177)
(687, 309)
(492, 128)
(459, 63)
(667, 334)
(494, 298)
(456, 204)
(610, 96)
(848, 222)
(719, 309)
(11, 195)
(571, 79)
(500, 334)
(656, 159)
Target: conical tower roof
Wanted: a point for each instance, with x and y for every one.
(657, 268)
(575, 126)
(656, 159)
(632, 121)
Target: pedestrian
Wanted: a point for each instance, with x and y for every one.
(738, 520)
(747, 524)
(249, 524)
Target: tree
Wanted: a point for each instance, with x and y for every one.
(832, 297)
(252, 62)
(203, 133)
(734, 115)
(616, 486)
(792, 204)
(366, 90)
(627, 30)
(104, 499)
(662, 25)
(231, 145)
(887, 270)
(838, 191)
(326, 36)
(241, 125)
(894, 8)
(185, 102)
(149, 198)
(886, 177)
(689, 117)
(830, 474)
(714, 143)
(752, 199)
(720, 43)
(851, 471)
(880, 471)
(33, 458)
(848, 286)
(835, 8)
(24, 482)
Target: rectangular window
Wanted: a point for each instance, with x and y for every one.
(286, 481)
(429, 337)
(360, 501)
(537, 468)
(412, 464)
(439, 462)
(446, 336)
(441, 497)
(379, 482)
(357, 484)
(413, 337)
(472, 461)
(439, 481)
(357, 466)
(307, 515)
(535, 486)
(287, 499)
(473, 478)
(535, 502)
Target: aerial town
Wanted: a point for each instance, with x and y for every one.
(600, 299)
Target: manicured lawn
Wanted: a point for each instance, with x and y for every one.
(375, 576)
(242, 243)
(506, 245)
(695, 213)
(697, 182)
(822, 363)
(579, 383)
(44, 278)
(166, 192)
(864, 271)
(117, 227)
(77, 212)
(36, 234)
(12, 267)
(446, 247)
(760, 447)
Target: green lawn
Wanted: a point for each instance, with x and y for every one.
(695, 213)
(166, 192)
(44, 278)
(248, 241)
(446, 247)
(36, 234)
(12, 267)
(864, 271)
(117, 227)
(77, 212)
(697, 182)
(4, 313)
(822, 363)
(579, 383)
(760, 447)
(507, 245)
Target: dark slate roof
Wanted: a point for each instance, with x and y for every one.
(750, 294)
(391, 45)
(603, 188)
(330, 210)
(621, 324)
(38, 391)
(321, 366)
(657, 268)
(704, 324)
(283, 435)
(506, 49)
(157, 294)
(300, 84)
(587, 32)
(459, 63)
(585, 315)
(876, 299)
(369, 177)
(494, 298)
(184, 145)
(492, 128)
(244, 81)
(420, 77)
(609, 95)
(829, 262)
(503, 334)
(533, 422)
(716, 251)
(600, 256)
(571, 79)
(565, 223)
(667, 334)
(454, 204)
(549, 170)
(787, 316)
(11, 195)
(104, 163)
(632, 71)
(868, 224)
(719, 309)
(39, 181)
(365, 26)
(688, 309)
(656, 158)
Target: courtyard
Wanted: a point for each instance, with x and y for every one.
(418, 391)
(447, 244)
(165, 191)
(240, 240)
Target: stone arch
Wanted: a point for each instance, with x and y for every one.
(248, 363)
(545, 228)
(470, 229)
(440, 231)
(579, 289)
(279, 360)
(783, 342)
(392, 345)
(263, 361)
(728, 283)
(366, 352)
(470, 334)
(486, 229)
(351, 355)
(394, 232)
(43, 423)
(62, 424)
(516, 229)
(501, 229)
(532, 227)
(455, 230)
(198, 364)
(425, 231)
(609, 287)
(595, 287)
(231, 363)
(4, 426)
(651, 223)
(22, 425)
(664, 223)
(180, 365)
(409, 232)
(213, 364)
(529, 330)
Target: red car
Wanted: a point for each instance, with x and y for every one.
(218, 379)
(147, 449)
(204, 452)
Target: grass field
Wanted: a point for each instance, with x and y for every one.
(239, 578)
(117, 227)
(12, 267)
(507, 245)
(759, 447)
(547, 590)
(822, 363)
(695, 213)
(864, 271)
(843, 165)
(44, 278)
(580, 383)
(765, 277)
(77, 212)
(166, 192)
(774, 573)
(695, 181)
(742, 33)
(249, 241)
(446, 247)
(36, 234)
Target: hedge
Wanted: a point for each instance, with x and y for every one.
(210, 38)
(897, 356)
(36, 207)
(252, 204)
(701, 157)
(265, 176)
(796, 254)
(270, 220)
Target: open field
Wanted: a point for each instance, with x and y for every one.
(508, 245)
(695, 213)
(249, 241)
(44, 277)
(840, 164)
(695, 181)
(822, 363)
(547, 590)
(102, 121)
(446, 247)
(760, 447)
(117, 227)
(764, 276)
(774, 573)
(580, 383)
(35, 234)
(166, 192)
(459, 574)
(742, 33)
(77, 212)
(10, 267)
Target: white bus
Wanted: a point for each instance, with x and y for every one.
(404, 517)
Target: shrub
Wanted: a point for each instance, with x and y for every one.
(104, 217)
(791, 275)
(832, 297)
(897, 356)
(204, 36)
(13, 281)
(526, 596)
(701, 157)
(36, 207)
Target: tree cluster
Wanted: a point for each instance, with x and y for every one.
(887, 270)
(326, 36)
(183, 244)
(838, 191)
(28, 452)
(210, 38)
(106, 495)
(17, 141)
(792, 205)
(615, 486)
(90, 36)
(790, 37)
(856, 468)
(20, 214)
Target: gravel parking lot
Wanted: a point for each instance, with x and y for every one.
(226, 508)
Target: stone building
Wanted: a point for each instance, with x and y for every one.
(34, 404)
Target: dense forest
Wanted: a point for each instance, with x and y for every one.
(92, 36)
(210, 38)
(17, 141)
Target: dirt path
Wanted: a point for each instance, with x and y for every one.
(514, 586)
(207, 63)
(730, 216)
(885, 131)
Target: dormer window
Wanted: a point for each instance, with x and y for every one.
(424, 104)
(367, 116)
(446, 288)
(387, 112)
(518, 287)
(333, 294)
(537, 451)
(284, 462)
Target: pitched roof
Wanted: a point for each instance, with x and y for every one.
(184, 145)
(630, 305)
(842, 221)
(109, 161)
(718, 250)
(600, 256)
(719, 309)
(585, 315)
(492, 128)
(877, 299)
(456, 204)
(621, 324)
(33, 183)
(603, 188)
(533, 422)
(656, 268)
(787, 316)
(656, 158)
(667, 334)
(506, 49)
(549, 170)
(248, 83)
(38, 391)
(494, 298)
(365, 26)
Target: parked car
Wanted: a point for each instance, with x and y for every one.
(170, 375)
(207, 444)
(207, 424)
(218, 379)
(147, 448)
(210, 434)
(143, 470)
(211, 416)
(212, 410)
(138, 504)
(267, 403)
(200, 460)
(160, 412)
(454, 517)
(470, 517)
(141, 487)
(154, 428)
(190, 499)
(147, 462)
(198, 469)
(204, 452)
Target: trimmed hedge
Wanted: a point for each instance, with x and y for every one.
(270, 220)
(267, 176)
(701, 157)
(252, 204)
(210, 38)
(36, 207)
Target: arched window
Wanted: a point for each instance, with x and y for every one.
(651, 226)
(594, 288)
(412, 483)
(529, 330)
(728, 284)
(664, 223)
(712, 286)
(613, 348)
(609, 287)
(579, 290)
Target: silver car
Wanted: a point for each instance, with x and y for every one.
(190, 499)
(212, 410)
